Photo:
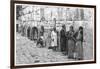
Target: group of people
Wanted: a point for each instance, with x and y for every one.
(71, 42)
(33, 33)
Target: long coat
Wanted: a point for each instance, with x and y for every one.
(53, 38)
(63, 40)
(28, 32)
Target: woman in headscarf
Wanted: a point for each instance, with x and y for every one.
(79, 44)
(71, 43)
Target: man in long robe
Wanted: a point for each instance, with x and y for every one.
(54, 39)
(28, 32)
(63, 40)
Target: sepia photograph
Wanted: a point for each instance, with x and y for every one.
(50, 34)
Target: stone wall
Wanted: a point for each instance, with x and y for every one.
(33, 15)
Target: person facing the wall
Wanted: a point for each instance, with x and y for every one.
(54, 39)
(63, 39)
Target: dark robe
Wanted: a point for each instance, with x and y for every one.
(17, 27)
(56, 48)
(63, 40)
(28, 32)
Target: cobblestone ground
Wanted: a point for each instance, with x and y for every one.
(28, 53)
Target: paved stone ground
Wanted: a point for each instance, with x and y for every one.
(28, 53)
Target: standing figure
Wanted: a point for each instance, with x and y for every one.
(17, 27)
(79, 44)
(28, 32)
(63, 39)
(71, 43)
(48, 42)
(41, 37)
(54, 39)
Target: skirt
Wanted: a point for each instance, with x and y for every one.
(71, 48)
(79, 50)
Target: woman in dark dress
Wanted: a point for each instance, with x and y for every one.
(63, 39)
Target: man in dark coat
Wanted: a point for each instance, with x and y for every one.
(28, 32)
(63, 39)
